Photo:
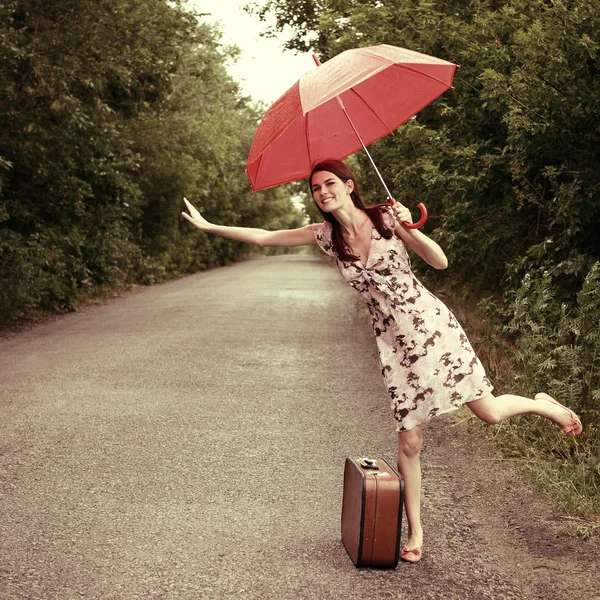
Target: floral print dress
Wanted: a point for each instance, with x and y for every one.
(427, 362)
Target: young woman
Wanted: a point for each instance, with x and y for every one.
(428, 364)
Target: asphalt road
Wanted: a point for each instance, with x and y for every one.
(187, 441)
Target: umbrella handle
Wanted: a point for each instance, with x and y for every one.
(420, 222)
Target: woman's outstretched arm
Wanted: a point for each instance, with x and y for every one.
(425, 247)
(251, 235)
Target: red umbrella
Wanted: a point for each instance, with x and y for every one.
(350, 101)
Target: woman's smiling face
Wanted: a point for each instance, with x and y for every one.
(329, 191)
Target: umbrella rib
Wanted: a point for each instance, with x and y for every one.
(403, 66)
(260, 161)
(371, 109)
(306, 138)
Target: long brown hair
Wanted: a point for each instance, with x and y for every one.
(375, 213)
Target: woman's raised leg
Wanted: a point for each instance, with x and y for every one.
(409, 464)
(492, 409)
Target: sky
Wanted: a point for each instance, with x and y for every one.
(264, 70)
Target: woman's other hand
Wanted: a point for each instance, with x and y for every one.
(195, 218)
(401, 213)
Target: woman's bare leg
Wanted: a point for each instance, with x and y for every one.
(492, 409)
(409, 464)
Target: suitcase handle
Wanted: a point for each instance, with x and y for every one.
(368, 463)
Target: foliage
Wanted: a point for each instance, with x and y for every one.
(567, 337)
(111, 111)
(507, 163)
(559, 351)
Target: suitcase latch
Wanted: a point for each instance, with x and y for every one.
(368, 463)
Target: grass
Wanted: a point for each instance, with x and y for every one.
(567, 469)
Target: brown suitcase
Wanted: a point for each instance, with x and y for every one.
(372, 512)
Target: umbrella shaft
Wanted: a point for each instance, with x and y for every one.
(364, 148)
(316, 59)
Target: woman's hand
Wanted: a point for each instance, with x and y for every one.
(401, 213)
(425, 247)
(195, 218)
(252, 235)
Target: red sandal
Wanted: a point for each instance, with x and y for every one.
(416, 552)
(574, 427)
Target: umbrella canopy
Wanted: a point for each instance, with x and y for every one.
(381, 88)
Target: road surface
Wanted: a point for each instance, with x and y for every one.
(187, 441)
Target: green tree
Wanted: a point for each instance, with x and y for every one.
(507, 162)
(111, 111)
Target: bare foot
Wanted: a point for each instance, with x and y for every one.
(564, 417)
